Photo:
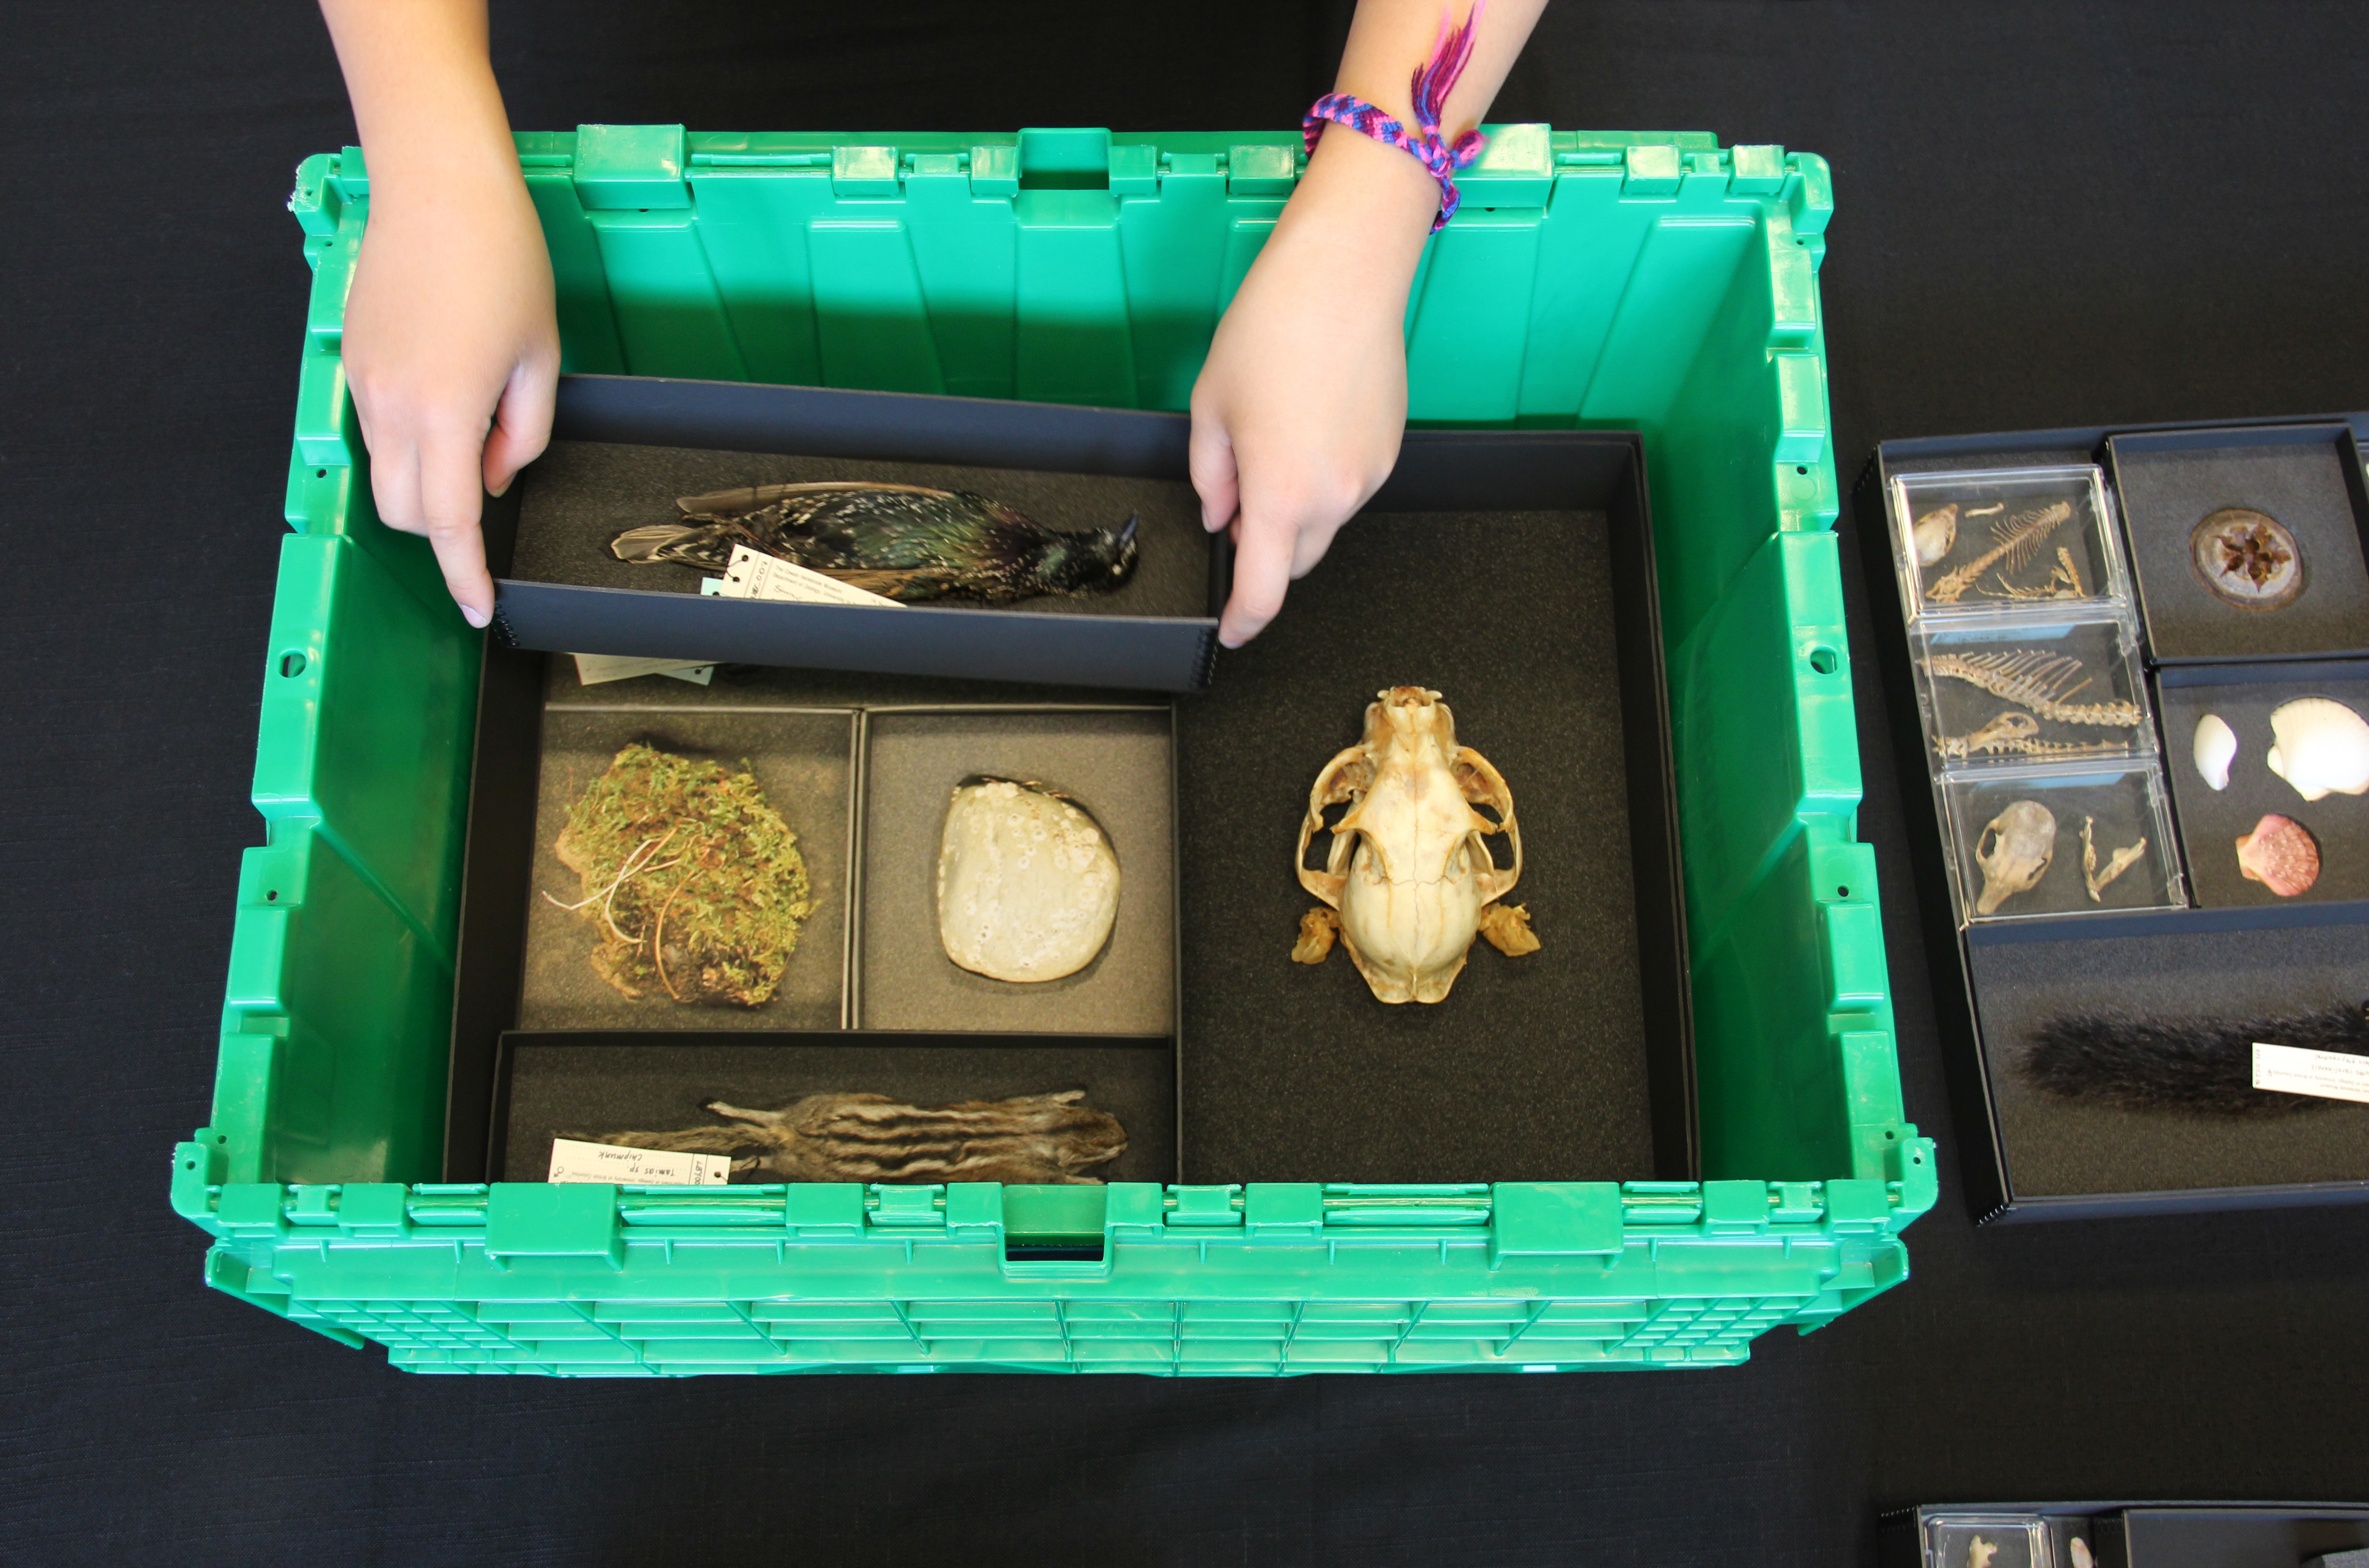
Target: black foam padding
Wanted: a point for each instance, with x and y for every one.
(803, 761)
(2211, 822)
(581, 495)
(559, 1085)
(2170, 483)
(1533, 1068)
(2062, 1146)
(757, 685)
(1119, 769)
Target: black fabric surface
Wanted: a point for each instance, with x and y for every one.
(2045, 214)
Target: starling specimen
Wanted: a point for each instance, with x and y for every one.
(901, 541)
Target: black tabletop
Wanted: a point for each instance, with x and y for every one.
(2045, 214)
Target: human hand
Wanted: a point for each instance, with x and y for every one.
(1299, 408)
(451, 351)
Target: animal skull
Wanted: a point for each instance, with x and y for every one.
(2020, 842)
(1410, 880)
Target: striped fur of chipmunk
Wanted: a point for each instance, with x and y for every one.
(2040, 680)
(2018, 538)
(2064, 582)
(2018, 732)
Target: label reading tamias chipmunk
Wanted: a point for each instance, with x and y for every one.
(575, 1161)
(2292, 1070)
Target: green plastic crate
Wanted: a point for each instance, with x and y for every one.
(1653, 281)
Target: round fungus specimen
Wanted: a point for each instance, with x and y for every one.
(1027, 885)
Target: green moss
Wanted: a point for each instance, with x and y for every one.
(692, 877)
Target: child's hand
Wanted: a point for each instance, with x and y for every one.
(450, 347)
(452, 352)
(1299, 409)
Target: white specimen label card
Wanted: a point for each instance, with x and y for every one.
(599, 669)
(754, 576)
(574, 1160)
(2292, 1070)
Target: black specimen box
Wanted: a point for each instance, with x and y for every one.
(1511, 571)
(2221, 949)
(624, 448)
(2122, 1535)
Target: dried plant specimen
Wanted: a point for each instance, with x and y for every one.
(1035, 1140)
(1410, 880)
(905, 542)
(2016, 539)
(2038, 678)
(2014, 852)
(693, 879)
(1027, 885)
(2248, 558)
(2093, 876)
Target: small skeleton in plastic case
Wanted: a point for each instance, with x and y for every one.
(2014, 851)
(2018, 732)
(2064, 582)
(2117, 863)
(2016, 539)
(2040, 680)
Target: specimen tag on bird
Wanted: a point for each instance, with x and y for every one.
(575, 1161)
(599, 669)
(753, 576)
(2292, 1070)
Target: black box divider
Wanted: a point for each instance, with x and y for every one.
(2316, 493)
(1991, 1192)
(1131, 1077)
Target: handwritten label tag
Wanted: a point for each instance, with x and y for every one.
(2292, 1070)
(599, 669)
(574, 1160)
(754, 576)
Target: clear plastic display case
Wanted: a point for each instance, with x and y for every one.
(2061, 839)
(1970, 543)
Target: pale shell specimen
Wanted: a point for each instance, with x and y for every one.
(1935, 532)
(2246, 558)
(1410, 880)
(2080, 1552)
(1027, 885)
(2281, 854)
(2323, 748)
(2214, 748)
(2020, 842)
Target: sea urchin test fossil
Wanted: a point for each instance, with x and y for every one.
(1027, 885)
(905, 542)
(2248, 558)
(2040, 680)
(2322, 747)
(1409, 881)
(1030, 1139)
(693, 881)
(2014, 851)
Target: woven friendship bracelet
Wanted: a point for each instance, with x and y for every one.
(1433, 80)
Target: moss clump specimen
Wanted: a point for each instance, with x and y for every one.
(692, 877)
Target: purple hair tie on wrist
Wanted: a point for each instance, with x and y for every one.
(1433, 80)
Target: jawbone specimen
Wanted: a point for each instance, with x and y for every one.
(1410, 880)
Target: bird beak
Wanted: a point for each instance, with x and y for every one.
(1127, 529)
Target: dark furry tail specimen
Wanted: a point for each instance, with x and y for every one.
(2182, 1064)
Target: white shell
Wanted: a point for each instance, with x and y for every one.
(2323, 748)
(2216, 748)
(1027, 885)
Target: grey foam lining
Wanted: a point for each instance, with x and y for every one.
(1533, 1068)
(579, 495)
(1118, 767)
(557, 1089)
(2166, 492)
(2062, 1148)
(2211, 822)
(803, 761)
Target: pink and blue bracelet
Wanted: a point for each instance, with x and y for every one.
(1433, 80)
